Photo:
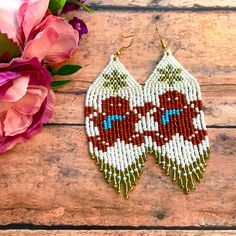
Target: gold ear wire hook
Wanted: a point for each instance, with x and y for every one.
(122, 49)
(163, 42)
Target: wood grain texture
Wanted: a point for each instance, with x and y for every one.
(217, 102)
(118, 233)
(168, 3)
(203, 42)
(51, 179)
(61, 185)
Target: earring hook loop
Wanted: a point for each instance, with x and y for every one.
(122, 49)
(162, 40)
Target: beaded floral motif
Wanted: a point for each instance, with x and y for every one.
(175, 127)
(115, 80)
(114, 106)
(169, 74)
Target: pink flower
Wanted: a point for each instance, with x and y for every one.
(21, 14)
(36, 31)
(26, 101)
(8, 14)
(53, 40)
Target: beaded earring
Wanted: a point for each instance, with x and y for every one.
(175, 125)
(113, 111)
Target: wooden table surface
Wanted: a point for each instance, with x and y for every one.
(50, 183)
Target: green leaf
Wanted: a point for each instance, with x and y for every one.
(64, 70)
(68, 70)
(8, 49)
(86, 8)
(56, 5)
(80, 4)
(59, 83)
(51, 70)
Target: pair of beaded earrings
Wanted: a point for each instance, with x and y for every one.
(124, 122)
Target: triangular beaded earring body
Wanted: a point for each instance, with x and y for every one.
(112, 115)
(175, 125)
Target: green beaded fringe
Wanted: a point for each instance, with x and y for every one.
(186, 177)
(122, 181)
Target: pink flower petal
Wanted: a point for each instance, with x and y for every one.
(58, 37)
(67, 42)
(8, 22)
(33, 90)
(33, 15)
(1, 129)
(16, 123)
(17, 90)
(6, 76)
(6, 81)
(2, 117)
(34, 48)
(62, 50)
(20, 19)
(49, 107)
(32, 101)
(4, 106)
(8, 143)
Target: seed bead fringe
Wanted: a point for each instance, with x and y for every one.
(175, 127)
(122, 181)
(187, 176)
(113, 113)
